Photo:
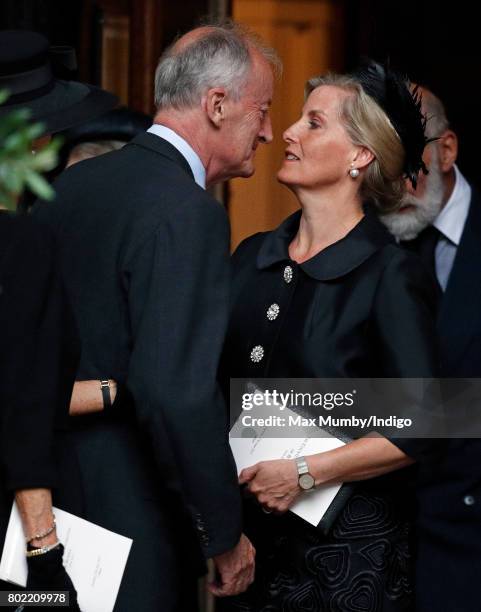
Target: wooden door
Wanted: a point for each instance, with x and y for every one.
(309, 39)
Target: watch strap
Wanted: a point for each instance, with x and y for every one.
(105, 388)
(302, 467)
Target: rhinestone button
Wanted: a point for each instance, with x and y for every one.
(469, 500)
(288, 274)
(257, 353)
(273, 311)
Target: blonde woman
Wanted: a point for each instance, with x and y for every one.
(329, 294)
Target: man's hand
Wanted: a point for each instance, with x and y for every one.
(236, 569)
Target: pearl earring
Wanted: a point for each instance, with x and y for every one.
(354, 173)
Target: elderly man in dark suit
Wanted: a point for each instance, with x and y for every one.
(441, 220)
(145, 257)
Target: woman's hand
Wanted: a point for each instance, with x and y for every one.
(47, 573)
(274, 483)
(87, 397)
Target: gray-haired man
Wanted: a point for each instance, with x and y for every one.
(145, 260)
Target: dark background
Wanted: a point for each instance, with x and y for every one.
(435, 45)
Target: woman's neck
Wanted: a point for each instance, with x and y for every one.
(324, 220)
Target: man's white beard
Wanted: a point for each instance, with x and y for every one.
(408, 224)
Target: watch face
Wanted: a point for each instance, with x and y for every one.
(306, 482)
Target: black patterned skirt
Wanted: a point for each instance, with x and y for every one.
(363, 565)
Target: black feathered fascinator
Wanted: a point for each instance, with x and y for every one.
(392, 92)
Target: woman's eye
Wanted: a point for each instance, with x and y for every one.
(313, 124)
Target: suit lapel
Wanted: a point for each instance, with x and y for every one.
(461, 303)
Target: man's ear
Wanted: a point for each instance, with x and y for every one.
(448, 150)
(363, 157)
(215, 105)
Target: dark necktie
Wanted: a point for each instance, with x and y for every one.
(425, 246)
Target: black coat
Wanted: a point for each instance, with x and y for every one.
(449, 567)
(362, 307)
(38, 359)
(145, 258)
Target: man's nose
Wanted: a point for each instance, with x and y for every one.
(265, 135)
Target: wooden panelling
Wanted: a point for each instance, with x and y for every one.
(115, 55)
(154, 25)
(146, 33)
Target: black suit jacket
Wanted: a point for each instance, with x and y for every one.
(449, 564)
(460, 313)
(144, 255)
(38, 358)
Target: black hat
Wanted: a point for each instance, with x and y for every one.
(402, 104)
(118, 124)
(27, 72)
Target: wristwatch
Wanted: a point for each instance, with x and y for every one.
(306, 480)
(105, 388)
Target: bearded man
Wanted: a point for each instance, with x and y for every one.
(441, 220)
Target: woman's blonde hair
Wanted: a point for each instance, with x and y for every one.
(367, 125)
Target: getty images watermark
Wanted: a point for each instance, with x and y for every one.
(288, 402)
(414, 408)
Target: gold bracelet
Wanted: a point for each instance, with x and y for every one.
(36, 552)
(42, 535)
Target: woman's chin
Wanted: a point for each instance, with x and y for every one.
(283, 177)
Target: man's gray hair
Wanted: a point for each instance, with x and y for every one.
(437, 120)
(218, 58)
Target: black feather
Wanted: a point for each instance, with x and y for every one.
(391, 90)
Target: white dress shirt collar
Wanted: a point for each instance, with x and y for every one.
(184, 149)
(450, 221)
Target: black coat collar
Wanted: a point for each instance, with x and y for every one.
(338, 259)
(157, 144)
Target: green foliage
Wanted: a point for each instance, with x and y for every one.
(19, 166)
